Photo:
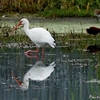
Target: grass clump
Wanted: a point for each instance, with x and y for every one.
(51, 8)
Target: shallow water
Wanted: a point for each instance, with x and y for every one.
(73, 78)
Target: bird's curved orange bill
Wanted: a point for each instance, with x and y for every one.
(18, 81)
(20, 23)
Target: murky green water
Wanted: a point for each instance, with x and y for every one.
(73, 78)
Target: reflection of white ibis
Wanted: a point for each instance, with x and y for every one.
(39, 36)
(38, 72)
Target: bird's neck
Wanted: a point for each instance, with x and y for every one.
(24, 85)
(26, 82)
(26, 28)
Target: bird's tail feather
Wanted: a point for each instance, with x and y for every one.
(53, 45)
(52, 64)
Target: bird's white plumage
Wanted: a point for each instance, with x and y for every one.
(39, 36)
(38, 72)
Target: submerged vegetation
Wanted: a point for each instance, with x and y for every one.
(9, 39)
(50, 8)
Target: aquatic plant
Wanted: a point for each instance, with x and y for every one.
(5, 29)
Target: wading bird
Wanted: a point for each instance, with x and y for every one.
(37, 72)
(39, 36)
(97, 13)
(93, 30)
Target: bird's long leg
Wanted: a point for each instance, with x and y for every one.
(32, 56)
(42, 53)
(33, 51)
(29, 53)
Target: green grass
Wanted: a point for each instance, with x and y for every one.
(66, 13)
(51, 8)
(61, 39)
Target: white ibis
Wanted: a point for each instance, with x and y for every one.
(39, 36)
(38, 72)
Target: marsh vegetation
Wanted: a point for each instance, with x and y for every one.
(50, 8)
(71, 39)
